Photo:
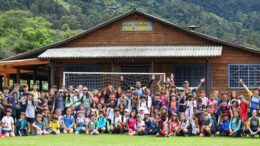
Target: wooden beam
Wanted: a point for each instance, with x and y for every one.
(208, 78)
(18, 75)
(152, 66)
(112, 66)
(5, 76)
(51, 74)
(24, 62)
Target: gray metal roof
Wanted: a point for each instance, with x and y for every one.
(132, 52)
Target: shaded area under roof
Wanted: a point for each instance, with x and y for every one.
(132, 52)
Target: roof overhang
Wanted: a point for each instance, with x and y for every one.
(10, 67)
(132, 52)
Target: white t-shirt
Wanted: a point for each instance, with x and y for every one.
(204, 100)
(8, 121)
(140, 124)
(117, 120)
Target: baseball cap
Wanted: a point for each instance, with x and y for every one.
(127, 110)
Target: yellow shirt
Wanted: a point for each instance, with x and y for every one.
(54, 125)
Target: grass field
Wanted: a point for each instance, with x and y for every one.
(125, 140)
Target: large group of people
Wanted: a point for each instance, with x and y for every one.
(164, 111)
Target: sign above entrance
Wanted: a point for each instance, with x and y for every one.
(137, 25)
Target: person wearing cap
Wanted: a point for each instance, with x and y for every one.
(254, 98)
(191, 104)
(150, 125)
(92, 126)
(138, 85)
(8, 124)
(187, 88)
(157, 103)
(206, 128)
(143, 103)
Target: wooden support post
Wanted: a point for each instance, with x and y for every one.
(112, 66)
(51, 75)
(152, 66)
(18, 75)
(208, 78)
(40, 85)
(34, 76)
(1, 83)
(5, 76)
(28, 83)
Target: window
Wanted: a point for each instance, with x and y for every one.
(192, 73)
(250, 73)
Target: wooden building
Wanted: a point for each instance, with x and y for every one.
(137, 41)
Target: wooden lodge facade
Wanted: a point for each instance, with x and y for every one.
(137, 41)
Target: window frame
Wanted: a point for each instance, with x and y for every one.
(248, 77)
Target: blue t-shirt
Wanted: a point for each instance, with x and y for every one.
(224, 126)
(39, 124)
(68, 120)
(255, 102)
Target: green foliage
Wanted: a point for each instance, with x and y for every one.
(28, 24)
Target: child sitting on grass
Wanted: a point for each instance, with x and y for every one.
(253, 125)
(54, 125)
(22, 125)
(174, 125)
(140, 125)
(8, 124)
(68, 122)
(132, 123)
(224, 126)
(38, 126)
(80, 124)
(206, 125)
(92, 128)
(102, 122)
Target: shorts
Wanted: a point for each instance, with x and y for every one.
(30, 120)
(6, 131)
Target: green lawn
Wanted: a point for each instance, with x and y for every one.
(125, 140)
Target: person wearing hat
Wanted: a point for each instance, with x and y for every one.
(254, 98)
(186, 86)
(138, 85)
(157, 103)
(191, 104)
(86, 99)
(206, 126)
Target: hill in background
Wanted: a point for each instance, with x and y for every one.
(28, 24)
